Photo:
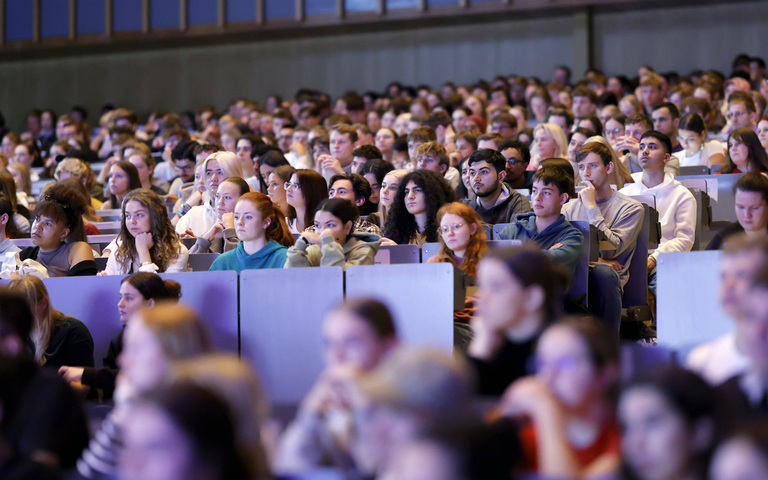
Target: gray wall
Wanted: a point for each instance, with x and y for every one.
(185, 78)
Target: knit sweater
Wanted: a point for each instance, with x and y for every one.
(359, 249)
(620, 218)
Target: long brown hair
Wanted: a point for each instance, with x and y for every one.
(477, 246)
(277, 229)
(314, 189)
(166, 241)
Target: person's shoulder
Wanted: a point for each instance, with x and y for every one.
(223, 261)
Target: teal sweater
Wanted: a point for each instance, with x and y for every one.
(273, 255)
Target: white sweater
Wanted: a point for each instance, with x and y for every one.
(199, 218)
(677, 212)
(179, 264)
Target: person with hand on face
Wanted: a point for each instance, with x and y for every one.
(262, 233)
(618, 217)
(147, 241)
(751, 202)
(221, 236)
(571, 430)
(357, 335)
(337, 244)
(342, 144)
(494, 201)
(197, 220)
(58, 235)
(154, 338)
(546, 226)
(137, 292)
(675, 204)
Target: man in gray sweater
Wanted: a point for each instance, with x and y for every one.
(618, 217)
(494, 201)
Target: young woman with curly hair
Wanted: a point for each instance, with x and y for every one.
(147, 241)
(58, 234)
(412, 217)
(462, 237)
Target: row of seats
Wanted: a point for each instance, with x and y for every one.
(279, 323)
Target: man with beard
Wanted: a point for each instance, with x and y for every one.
(494, 201)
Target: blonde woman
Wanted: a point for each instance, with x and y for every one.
(57, 339)
(154, 338)
(387, 193)
(197, 220)
(549, 141)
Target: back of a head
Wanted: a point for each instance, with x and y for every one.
(15, 315)
(341, 208)
(374, 313)
(556, 175)
(151, 286)
(178, 329)
(64, 205)
(208, 425)
(425, 381)
(234, 381)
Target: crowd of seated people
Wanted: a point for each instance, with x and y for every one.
(311, 182)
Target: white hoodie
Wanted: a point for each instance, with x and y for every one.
(677, 212)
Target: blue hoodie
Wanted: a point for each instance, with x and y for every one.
(561, 231)
(273, 255)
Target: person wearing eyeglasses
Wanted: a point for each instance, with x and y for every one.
(304, 192)
(494, 201)
(462, 237)
(517, 156)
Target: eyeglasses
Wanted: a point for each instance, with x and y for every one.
(451, 228)
(291, 186)
(513, 162)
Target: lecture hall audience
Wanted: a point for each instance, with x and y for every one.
(297, 182)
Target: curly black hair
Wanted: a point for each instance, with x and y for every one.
(401, 225)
